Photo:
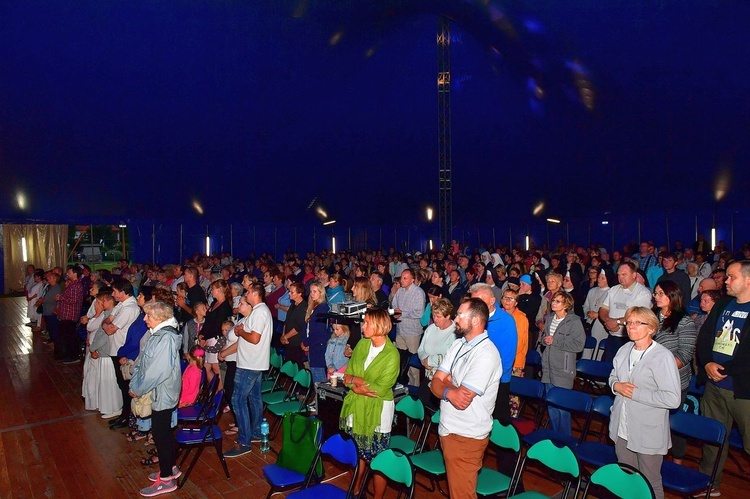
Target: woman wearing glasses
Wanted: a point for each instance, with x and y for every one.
(646, 385)
(563, 338)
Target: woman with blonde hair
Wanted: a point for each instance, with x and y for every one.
(367, 412)
(646, 384)
(317, 333)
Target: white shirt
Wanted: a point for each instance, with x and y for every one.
(123, 315)
(477, 366)
(256, 357)
(619, 300)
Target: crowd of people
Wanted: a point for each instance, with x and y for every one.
(468, 320)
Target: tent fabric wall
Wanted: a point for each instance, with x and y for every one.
(45, 248)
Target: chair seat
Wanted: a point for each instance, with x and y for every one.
(276, 397)
(189, 413)
(547, 434)
(683, 479)
(596, 453)
(323, 490)
(284, 408)
(282, 477)
(531, 494)
(431, 462)
(266, 386)
(189, 437)
(403, 443)
(491, 482)
(524, 426)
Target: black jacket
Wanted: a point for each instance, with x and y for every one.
(739, 366)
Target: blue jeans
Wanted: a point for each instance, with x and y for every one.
(559, 420)
(247, 395)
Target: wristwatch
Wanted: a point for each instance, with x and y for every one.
(619, 323)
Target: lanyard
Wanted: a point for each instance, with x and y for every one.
(460, 356)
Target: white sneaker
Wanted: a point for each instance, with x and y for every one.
(111, 415)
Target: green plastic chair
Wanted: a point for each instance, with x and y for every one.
(622, 480)
(289, 370)
(490, 481)
(562, 460)
(431, 462)
(396, 467)
(413, 409)
(303, 386)
(269, 384)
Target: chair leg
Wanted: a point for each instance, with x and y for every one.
(192, 465)
(220, 452)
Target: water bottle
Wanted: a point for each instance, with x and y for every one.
(265, 445)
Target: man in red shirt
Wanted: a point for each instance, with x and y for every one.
(69, 312)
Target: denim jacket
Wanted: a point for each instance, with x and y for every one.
(335, 352)
(158, 367)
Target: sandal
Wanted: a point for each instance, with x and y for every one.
(152, 452)
(149, 441)
(134, 436)
(230, 431)
(149, 461)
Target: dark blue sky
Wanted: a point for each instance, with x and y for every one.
(136, 109)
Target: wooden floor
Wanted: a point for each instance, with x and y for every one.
(50, 446)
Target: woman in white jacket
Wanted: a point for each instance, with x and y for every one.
(646, 385)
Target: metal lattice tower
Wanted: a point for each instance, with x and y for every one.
(445, 181)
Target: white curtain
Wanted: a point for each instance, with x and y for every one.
(46, 247)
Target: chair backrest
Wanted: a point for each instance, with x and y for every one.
(276, 359)
(505, 436)
(303, 378)
(594, 368)
(215, 405)
(396, 466)
(436, 417)
(699, 427)
(590, 343)
(561, 459)
(411, 407)
(342, 449)
(290, 369)
(622, 480)
(570, 400)
(527, 387)
(603, 405)
(533, 358)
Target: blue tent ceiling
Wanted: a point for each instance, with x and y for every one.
(250, 109)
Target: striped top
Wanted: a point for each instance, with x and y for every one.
(681, 343)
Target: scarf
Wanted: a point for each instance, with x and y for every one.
(381, 374)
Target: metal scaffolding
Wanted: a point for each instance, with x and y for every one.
(445, 181)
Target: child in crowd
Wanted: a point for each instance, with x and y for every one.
(193, 327)
(212, 347)
(335, 358)
(191, 378)
(179, 313)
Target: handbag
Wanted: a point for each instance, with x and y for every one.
(300, 444)
(127, 370)
(141, 406)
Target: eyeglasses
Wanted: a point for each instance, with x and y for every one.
(659, 293)
(508, 298)
(635, 323)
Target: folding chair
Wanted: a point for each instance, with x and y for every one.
(558, 459)
(396, 468)
(296, 399)
(491, 482)
(708, 431)
(568, 400)
(198, 409)
(413, 410)
(207, 432)
(735, 443)
(599, 453)
(285, 379)
(431, 462)
(271, 379)
(533, 364)
(622, 480)
(590, 344)
(342, 449)
(297, 459)
(531, 393)
(594, 374)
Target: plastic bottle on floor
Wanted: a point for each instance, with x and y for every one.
(265, 430)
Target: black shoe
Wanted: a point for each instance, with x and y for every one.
(119, 420)
(117, 425)
(71, 361)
